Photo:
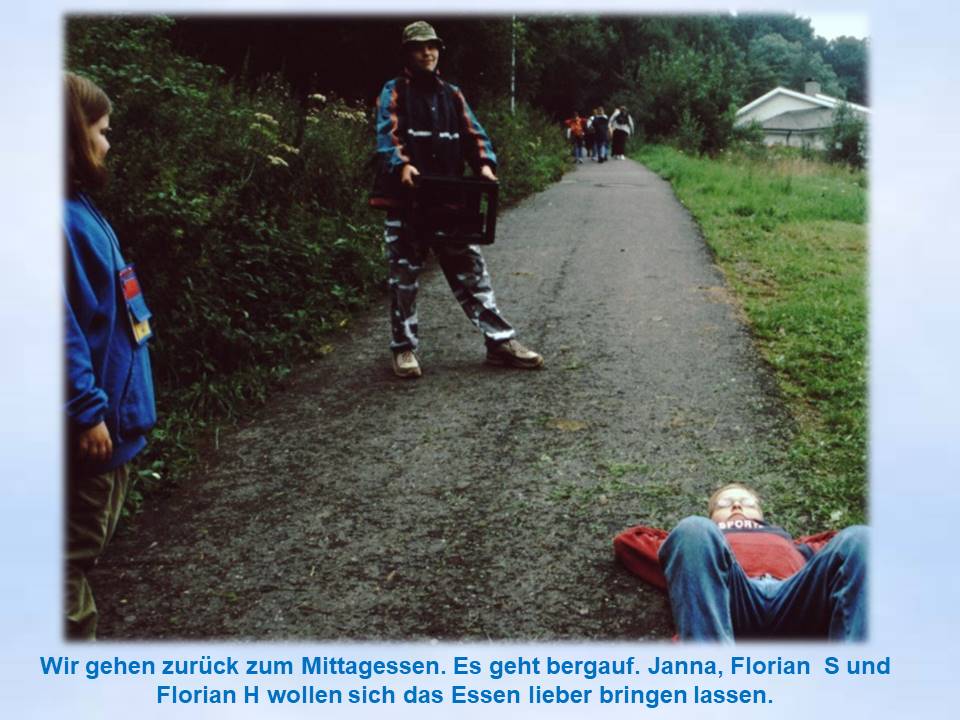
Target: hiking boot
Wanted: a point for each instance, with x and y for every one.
(512, 354)
(406, 365)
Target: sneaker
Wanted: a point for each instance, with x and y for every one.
(406, 365)
(512, 354)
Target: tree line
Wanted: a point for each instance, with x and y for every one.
(675, 74)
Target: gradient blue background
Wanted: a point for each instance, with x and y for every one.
(914, 282)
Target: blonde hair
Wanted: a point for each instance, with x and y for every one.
(712, 502)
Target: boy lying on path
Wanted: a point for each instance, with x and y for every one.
(732, 575)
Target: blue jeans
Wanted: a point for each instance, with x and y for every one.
(601, 145)
(713, 599)
(577, 148)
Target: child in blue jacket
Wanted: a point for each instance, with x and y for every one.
(109, 394)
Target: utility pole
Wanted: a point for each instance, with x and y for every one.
(513, 64)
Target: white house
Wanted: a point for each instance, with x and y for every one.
(796, 119)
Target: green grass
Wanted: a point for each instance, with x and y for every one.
(789, 233)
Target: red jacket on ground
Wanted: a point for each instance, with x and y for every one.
(760, 549)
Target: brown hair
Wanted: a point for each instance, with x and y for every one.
(85, 104)
(712, 502)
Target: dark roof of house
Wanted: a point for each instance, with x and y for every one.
(798, 120)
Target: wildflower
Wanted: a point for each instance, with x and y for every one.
(267, 131)
(318, 97)
(357, 117)
(288, 148)
(266, 118)
(277, 161)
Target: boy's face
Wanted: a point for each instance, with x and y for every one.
(423, 56)
(736, 501)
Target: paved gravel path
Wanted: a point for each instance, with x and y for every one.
(476, 502)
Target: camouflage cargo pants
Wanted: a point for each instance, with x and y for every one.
(94, 504)
(466, 273)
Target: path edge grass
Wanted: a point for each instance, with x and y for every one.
(789, 235)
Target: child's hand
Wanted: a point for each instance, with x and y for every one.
(487, 173)
(407, 175)
(95, 443)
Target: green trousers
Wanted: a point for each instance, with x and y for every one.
(94, 504)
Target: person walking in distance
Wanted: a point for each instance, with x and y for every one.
(601, 133)
(590, 137)
(576, 129)
(622, 126)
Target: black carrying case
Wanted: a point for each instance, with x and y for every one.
(452, 210)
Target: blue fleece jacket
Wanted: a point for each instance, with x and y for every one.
(108, 373)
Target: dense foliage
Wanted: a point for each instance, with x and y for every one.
(847, 140)
(246, 208)
(677, 75)
(681, 77)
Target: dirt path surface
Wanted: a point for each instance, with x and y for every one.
(476, 502)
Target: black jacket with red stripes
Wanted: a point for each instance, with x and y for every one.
(425, 121)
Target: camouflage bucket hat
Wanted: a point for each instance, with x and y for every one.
(420, 31)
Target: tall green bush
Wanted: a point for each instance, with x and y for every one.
(531, 149)
(847, 139)
(246, 212)
(688, 96)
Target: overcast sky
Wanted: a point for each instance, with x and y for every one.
(830, 25)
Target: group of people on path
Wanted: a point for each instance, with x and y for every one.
(728, 576)
(593, 135)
